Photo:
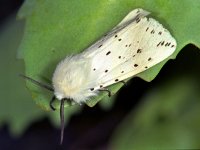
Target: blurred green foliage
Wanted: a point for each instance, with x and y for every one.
(167, 118)
(15, 105)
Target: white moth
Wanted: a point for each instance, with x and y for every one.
(134, 45)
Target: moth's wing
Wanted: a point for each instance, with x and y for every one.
(134, 14)
(107, 40)
(148, 44)
(99, 53)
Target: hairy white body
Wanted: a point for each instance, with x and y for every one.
(134, 45)
(72, 79)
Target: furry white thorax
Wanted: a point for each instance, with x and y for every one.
(72, 79)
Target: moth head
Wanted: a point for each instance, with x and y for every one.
(49, 88)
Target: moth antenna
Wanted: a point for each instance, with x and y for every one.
(37, 82)
(62, 120)
(51, 103)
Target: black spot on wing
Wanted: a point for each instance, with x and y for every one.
(108, 52)
(152, 31)
(166, 44)
(138, 20)
(139, 50)
(162, 43)
(149, 59)
(100, 46)
(158, 44)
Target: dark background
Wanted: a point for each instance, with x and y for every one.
(93, 127)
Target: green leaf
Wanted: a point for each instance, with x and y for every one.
(167, 119)
(55, 29)
(16, 107)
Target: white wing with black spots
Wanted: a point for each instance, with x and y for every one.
(134, 45)
(138, 44)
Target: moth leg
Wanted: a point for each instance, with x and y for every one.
(123, 82)
(51, 103)
(106, 90)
